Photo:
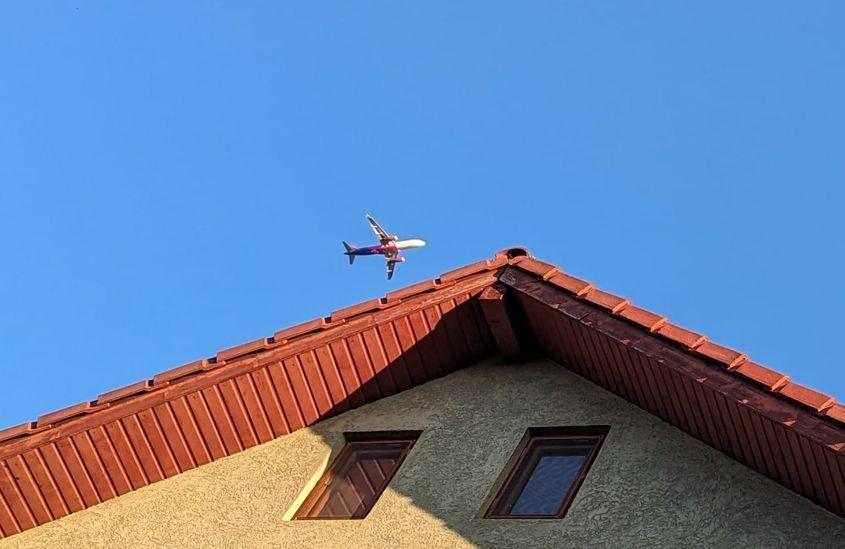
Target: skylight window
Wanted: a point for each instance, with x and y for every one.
(355, 480)
(548, 472)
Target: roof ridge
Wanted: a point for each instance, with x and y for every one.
(735, 362)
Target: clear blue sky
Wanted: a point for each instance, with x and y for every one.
(176, 179)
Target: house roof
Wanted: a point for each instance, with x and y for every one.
(512, 304)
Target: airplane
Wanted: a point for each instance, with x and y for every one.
(389, 246)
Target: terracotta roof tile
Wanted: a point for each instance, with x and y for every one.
(472, 268)
(409, 291)
(571, 284)
(66, 413)
(244, 349)
(461, 272)
(18, 430)
(357, 309)
(180, 371)
(643, 318)
(837, 412)
(728, 357)
(605, 300)
(497, 262)
(539, 268)
(808, 397)
(300, 329)
(685, 337)
(771, 379)
(123, 392)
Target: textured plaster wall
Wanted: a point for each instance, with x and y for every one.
(651, 485)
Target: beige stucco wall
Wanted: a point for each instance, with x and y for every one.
(651, 485)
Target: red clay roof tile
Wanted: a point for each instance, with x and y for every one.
(497, 262)
(18, 430)
(551, 273)
(123, 392)
(571, 284)
(643, 318)
(539, 268)
(771, 379)
(420, 287)
(180, 371)
(605, 300)
(357, 309)
(244, 349)
(300, 329)
(471, 269)
(808, 397)
(685, 337)
(728, 357)
(65, 413)
(837, 412)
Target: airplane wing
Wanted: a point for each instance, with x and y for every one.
(382, 235)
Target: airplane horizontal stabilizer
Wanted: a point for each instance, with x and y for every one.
(349, 249)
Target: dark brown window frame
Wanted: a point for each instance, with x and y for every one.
(520, 472)
(355, 440)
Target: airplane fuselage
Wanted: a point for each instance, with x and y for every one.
(389, 249)
(389, 246)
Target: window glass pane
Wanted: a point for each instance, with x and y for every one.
(548, 485)
(356, 483)
(353, 483)
(547, 472)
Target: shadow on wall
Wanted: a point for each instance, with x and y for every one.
(651, 486)
(442, 463)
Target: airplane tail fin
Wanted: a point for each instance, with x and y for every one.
(349, 249)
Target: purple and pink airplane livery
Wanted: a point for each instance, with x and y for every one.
(389, 246)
